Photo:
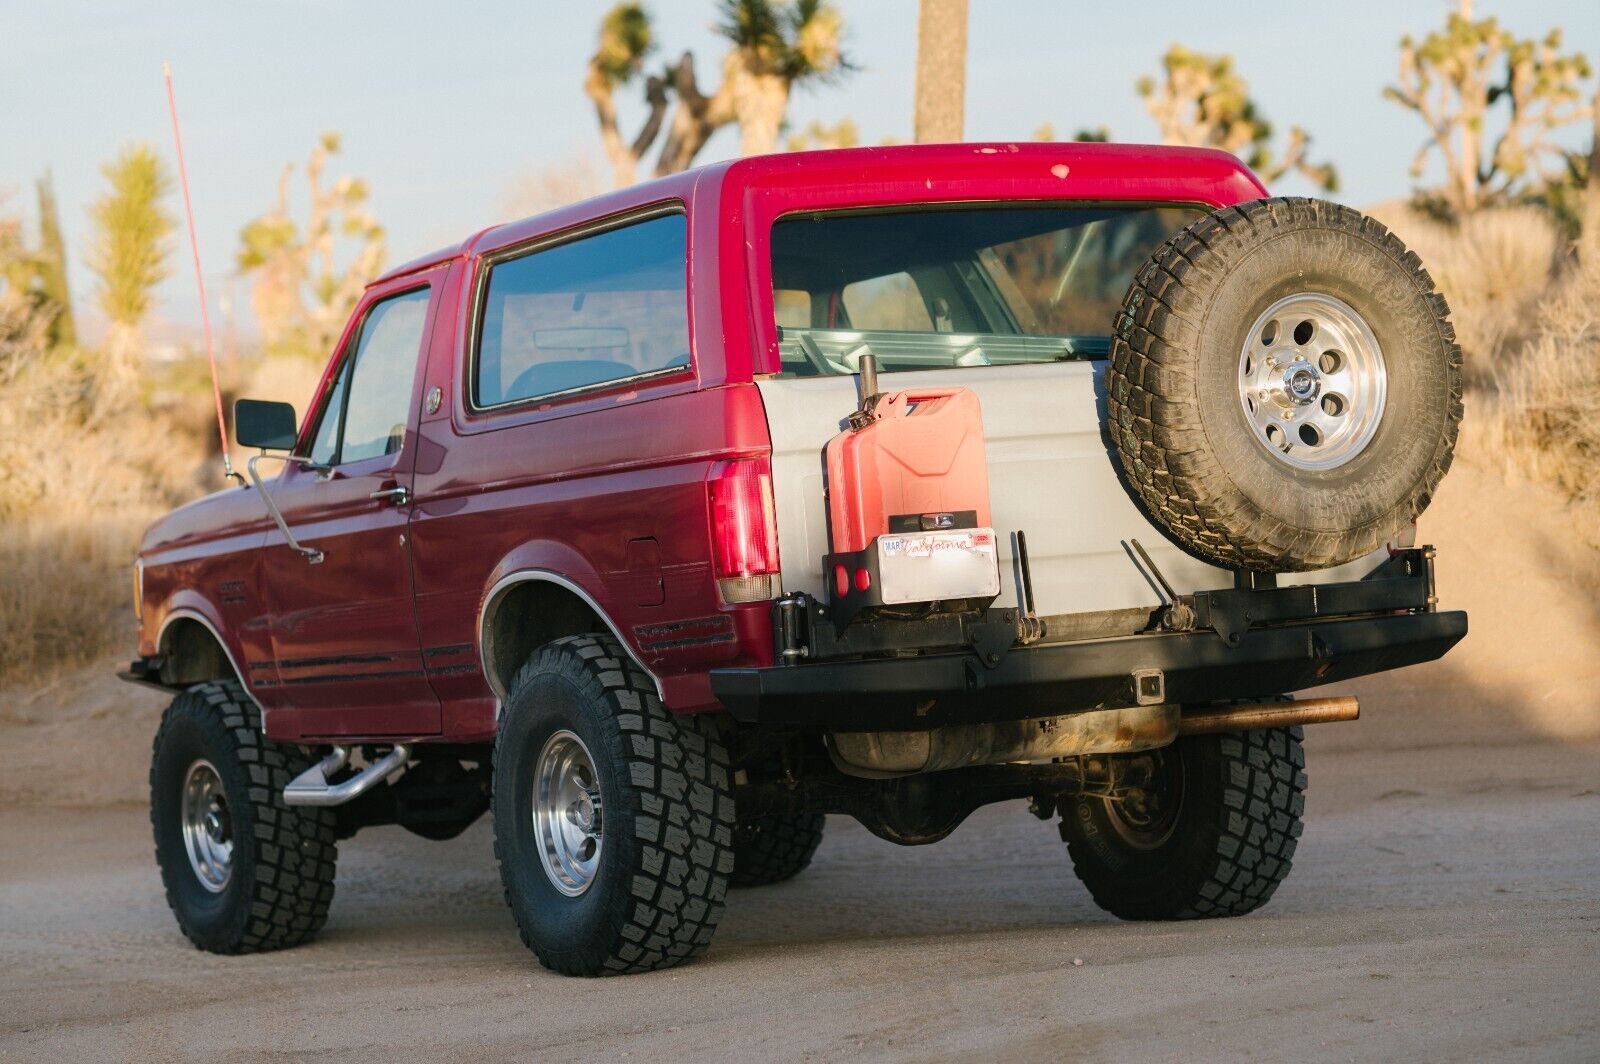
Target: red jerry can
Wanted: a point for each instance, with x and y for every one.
(918, 464)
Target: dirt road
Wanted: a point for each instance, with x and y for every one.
(1431, 912)
(1445, 901)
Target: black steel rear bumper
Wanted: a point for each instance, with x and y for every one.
(913, 693)
(1249, 642)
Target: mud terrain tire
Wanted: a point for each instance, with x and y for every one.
(1220, 850)
(278, 882)
(771, 849)
(655, 791)
(1182, 400)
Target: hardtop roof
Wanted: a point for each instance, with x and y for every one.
(1010, 165)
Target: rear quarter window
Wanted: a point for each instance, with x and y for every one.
(584, 314)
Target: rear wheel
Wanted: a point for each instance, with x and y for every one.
(771, 849)
(613, 818)
(243, 871)
(1209, 831)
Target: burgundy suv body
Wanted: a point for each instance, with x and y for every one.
(551, 539)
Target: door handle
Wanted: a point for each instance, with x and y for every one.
(400, 495)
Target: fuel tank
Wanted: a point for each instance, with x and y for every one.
(917, 465)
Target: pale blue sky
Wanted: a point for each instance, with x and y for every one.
(443, 106)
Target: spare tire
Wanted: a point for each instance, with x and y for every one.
(1285, 385)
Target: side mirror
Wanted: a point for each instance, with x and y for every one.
(269, 426)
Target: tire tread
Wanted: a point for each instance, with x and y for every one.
(684, 816)
(771, 849)
(1253, 831)
(295, 850)
(1157, 434)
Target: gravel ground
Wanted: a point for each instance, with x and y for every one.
(1445, 902)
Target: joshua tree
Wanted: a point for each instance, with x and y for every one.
(941, 71)
(1097, 135)
(53, 266)
(23, 324)
(1475, 75)
(129, 253)
(842, 134)
(775, 45)
(302, 294)
(626, 37)
(1589, 223)
(37, 275)
(1203, 101)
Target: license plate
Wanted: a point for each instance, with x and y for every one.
(929, 566)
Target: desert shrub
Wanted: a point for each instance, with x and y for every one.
(1540, 417)
(1494, 267)
(79, 482)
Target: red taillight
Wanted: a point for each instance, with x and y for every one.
(744, 529)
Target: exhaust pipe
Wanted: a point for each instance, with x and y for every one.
(1204, 720)
(1109, 731)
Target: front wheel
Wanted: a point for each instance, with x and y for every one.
(243, 871)
(1210, 829)
(613, 818)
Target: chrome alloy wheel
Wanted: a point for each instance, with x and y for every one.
(567, 813)
(1312, 381)
(207, 827)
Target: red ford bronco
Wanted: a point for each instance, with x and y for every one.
(603, 521)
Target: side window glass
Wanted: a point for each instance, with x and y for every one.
(325, 444)
(369, 404)
(379, 402)
(602, 308)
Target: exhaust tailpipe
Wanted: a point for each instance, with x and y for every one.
(1204, 720)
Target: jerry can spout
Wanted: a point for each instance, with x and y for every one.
(867, 368)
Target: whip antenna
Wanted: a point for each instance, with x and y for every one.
(199, 279)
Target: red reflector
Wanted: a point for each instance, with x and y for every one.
(744, 527)
(841, 580)
(863, 579)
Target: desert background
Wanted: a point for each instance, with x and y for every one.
(1446, 895)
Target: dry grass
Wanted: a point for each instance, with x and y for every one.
(80, 477)
(1529, 324)
(1495, 268)
(1540, 419)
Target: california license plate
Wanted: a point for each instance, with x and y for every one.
(929, 566)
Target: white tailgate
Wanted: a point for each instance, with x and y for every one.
(1051, 474)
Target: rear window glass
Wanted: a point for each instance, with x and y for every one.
(947, 288)
(584, 314)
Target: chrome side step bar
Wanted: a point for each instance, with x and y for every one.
(311, 787)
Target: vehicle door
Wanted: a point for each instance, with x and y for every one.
(344, 630)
